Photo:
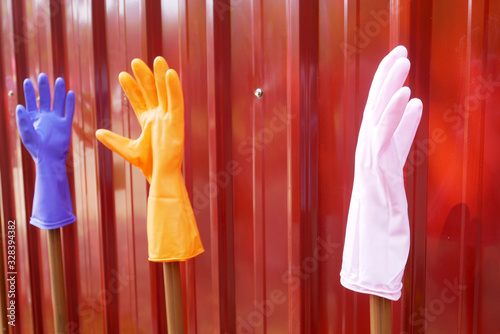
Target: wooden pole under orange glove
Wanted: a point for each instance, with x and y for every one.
(173, 297)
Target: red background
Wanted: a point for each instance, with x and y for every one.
(288, 158)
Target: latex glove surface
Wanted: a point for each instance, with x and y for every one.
(159, 106)
(46, 134)
(377, 238)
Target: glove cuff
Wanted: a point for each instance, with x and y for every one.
(51, 225)
(52, 200)
(381, 290)
(172, 231)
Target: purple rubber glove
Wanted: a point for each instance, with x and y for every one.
(46, 134)
(377, 238)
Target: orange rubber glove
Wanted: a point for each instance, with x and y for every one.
(158, 104)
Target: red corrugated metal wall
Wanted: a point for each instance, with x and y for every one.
(270, 178)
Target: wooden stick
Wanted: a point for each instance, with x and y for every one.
(380, 315)
(57, 280)
(173, 297)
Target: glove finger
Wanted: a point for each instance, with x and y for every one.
(118, 144)
(59, 97)
(26, 130)
(44, 92)
(175, 99)
(161, 68)
(133, 92)
(146, 81)
(382, 71)
(394, 81)
(407, 128)
(392, 116)
(30, 96)
(69, 109)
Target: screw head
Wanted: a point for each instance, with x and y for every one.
(258, 93)
(11, 93)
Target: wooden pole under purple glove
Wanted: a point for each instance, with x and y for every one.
(59, 311)
(46, 134)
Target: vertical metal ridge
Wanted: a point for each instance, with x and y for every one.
(394, 27)
(473, 142)
(295, 313)
(465, 166)
(481, 202)
(181, 58)
(219, 146)
(258, 156)
(309, 30)
(215, 219)
(420, 55)
(345, 125)
(106, 206)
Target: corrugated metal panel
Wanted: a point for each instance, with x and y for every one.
(270, 178)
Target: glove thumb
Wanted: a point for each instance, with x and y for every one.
(28, 134)
(121, 145)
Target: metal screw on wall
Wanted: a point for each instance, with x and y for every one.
(258, 93)
(10, 93)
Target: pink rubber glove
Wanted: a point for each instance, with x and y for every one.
(377, 238)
